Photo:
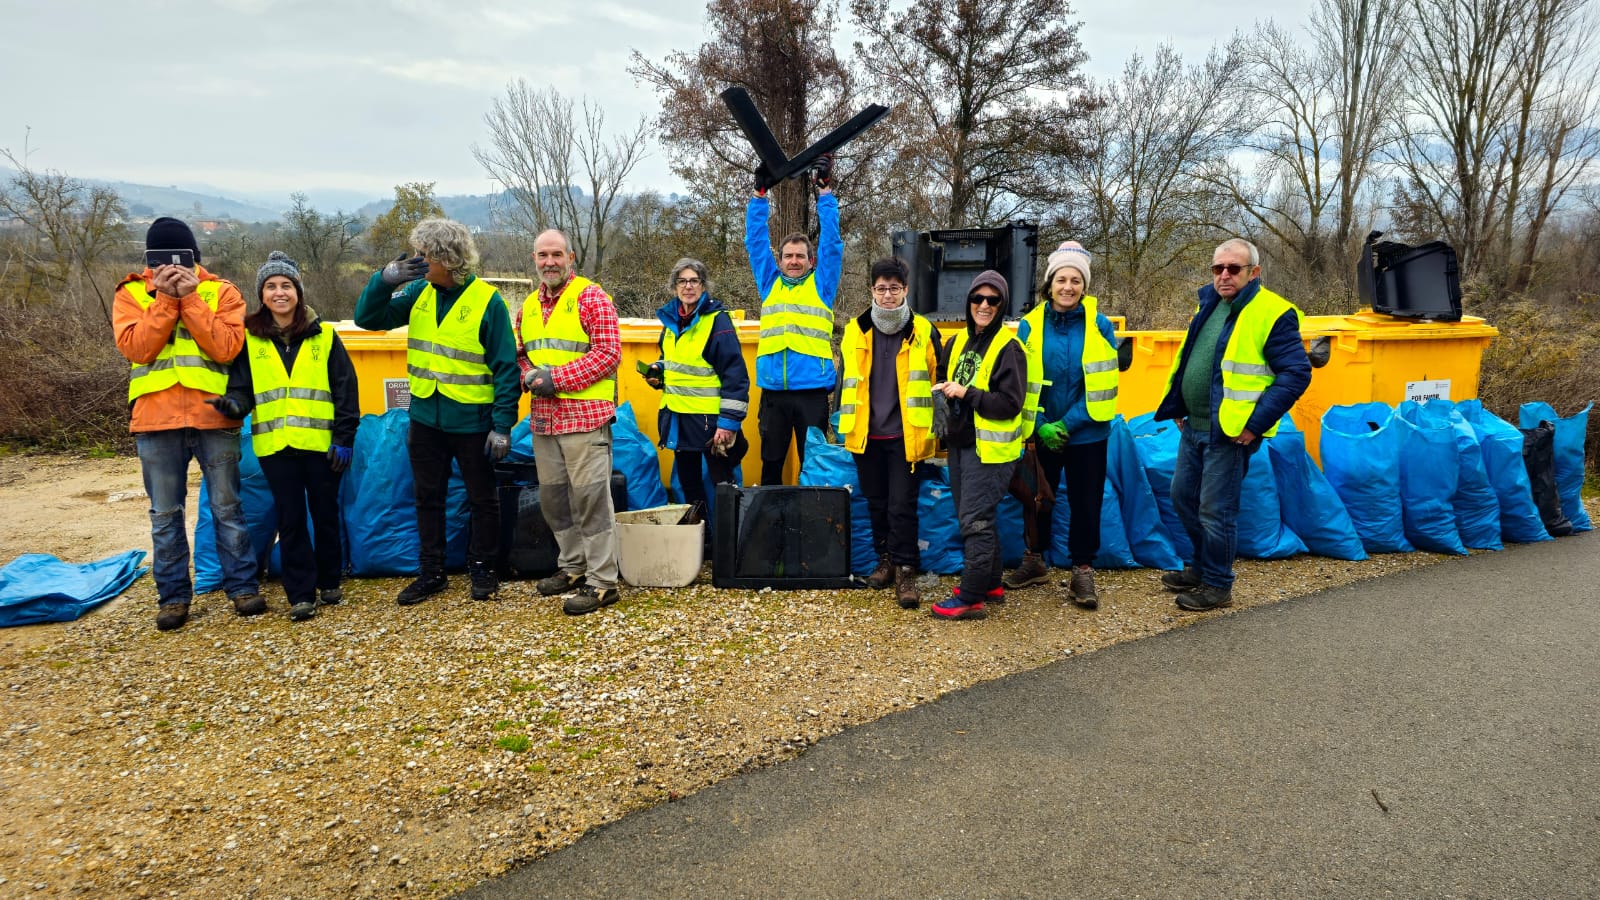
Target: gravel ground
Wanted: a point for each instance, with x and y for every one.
(377, 750)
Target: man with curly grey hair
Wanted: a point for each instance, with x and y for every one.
(465, 385)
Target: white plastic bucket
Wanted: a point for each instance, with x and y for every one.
(652, 554)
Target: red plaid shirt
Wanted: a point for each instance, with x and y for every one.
(561, 415)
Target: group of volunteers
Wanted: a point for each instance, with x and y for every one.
(1024, 412)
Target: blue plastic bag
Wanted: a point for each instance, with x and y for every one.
(938, 530)
(1262, 532)
(1501, 444)
(1309, 505)
(635, 457)
(1429, 475)
(831, 465)
(38, 588)
(1157, 445)
(1114, 550)
(1143, 526)
(1361, 459)
(1570, 434)
(521, 443)
(378, 503)
(260, 518)
(1477, 509)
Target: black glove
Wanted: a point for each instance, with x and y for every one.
(227, 406)
(339, 457)
(822, 171)
(496, 446)
(656, 374)
(540, 382)
(403, 270)
(763, 180)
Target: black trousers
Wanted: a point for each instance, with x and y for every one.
(720, 468)
(431, 451)
(891, 492)
(1085, 467)
(302, 480)
(786, 414)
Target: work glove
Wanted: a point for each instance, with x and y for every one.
(723, 440)
(822, 172)
(1053, 435)
(227, 406)
(763, 180)
(496, 446)
(402, 270)
(941, 416)
(339, 458)
(540, 382)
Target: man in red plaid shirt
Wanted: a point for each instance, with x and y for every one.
(569, 356)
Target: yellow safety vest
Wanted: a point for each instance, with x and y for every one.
(795, 318)
(1099, 365)
(690, 384)
(1245, 373)
(293, 409)
(181, 361)
(448, 356)
(915, 382)
(999, 440)
(562, 339)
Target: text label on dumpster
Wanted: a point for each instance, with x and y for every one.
(1423, 391)
(397, 393)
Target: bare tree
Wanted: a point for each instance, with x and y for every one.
(321, 243)
(71, 228)
(544, 155)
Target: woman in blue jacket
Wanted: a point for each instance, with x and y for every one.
(706, 388)
(1073, 347)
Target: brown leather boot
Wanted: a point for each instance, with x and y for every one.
(883, 575)
(1082, 586)
(1032, 571)
(905, 588)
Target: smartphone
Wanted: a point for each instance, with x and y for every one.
(155, 259)
(641, 367)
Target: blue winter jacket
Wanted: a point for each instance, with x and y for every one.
(1062, 399)
(1284, 354)
(787, 370)
(687, 430)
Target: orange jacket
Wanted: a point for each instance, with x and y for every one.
(141, 333)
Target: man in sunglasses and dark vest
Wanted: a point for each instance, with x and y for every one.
(1239, 369)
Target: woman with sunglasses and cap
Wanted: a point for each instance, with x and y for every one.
(983, 380)
(297, 380)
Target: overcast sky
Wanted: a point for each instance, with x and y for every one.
(264, 97)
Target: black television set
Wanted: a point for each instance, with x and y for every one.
(1421, 282)
(785, 538)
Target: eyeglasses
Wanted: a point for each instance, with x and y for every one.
(991, 299)
(1230, 268)
(689, 282)
(888, 290)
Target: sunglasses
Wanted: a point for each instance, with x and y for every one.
(1230, 268)
(990, 299)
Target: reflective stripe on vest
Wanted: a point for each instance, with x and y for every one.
(1099, 361)
(999, 440)
(293, 409)
(1245, 373)
(688, 381)
(795, 318)
(562, 339)
(915, 389)
(181, 361)
(448, 356)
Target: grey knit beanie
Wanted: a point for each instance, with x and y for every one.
(279, 263)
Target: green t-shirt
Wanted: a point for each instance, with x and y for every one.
(1202, 364)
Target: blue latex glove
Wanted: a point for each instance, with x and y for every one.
(1053, 435)
(339, 457)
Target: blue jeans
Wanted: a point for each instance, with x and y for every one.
(164, 458)
(1205, 495)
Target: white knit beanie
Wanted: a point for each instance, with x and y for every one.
(1070, 253)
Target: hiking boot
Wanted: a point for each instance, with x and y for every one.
(588, 599)
(1179, 582)
(883, 575)
(330, 596)
(302, 611)
(1081, 585)
(1032, 571)
(426, 585)
(1205, 598)
(953, 608)
(559, 583)
(249, 604)
(484, 582)
(905, 588)
(171, 616)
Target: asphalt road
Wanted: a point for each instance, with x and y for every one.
(1430, 734)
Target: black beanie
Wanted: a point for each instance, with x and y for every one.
(167, 233)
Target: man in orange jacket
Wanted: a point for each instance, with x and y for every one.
(180, 326)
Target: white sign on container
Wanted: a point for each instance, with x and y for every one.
(1423, 391)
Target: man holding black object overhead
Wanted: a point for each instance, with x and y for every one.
(794, 357)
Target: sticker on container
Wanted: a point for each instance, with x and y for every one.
(1423, 391)
(397, 393)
